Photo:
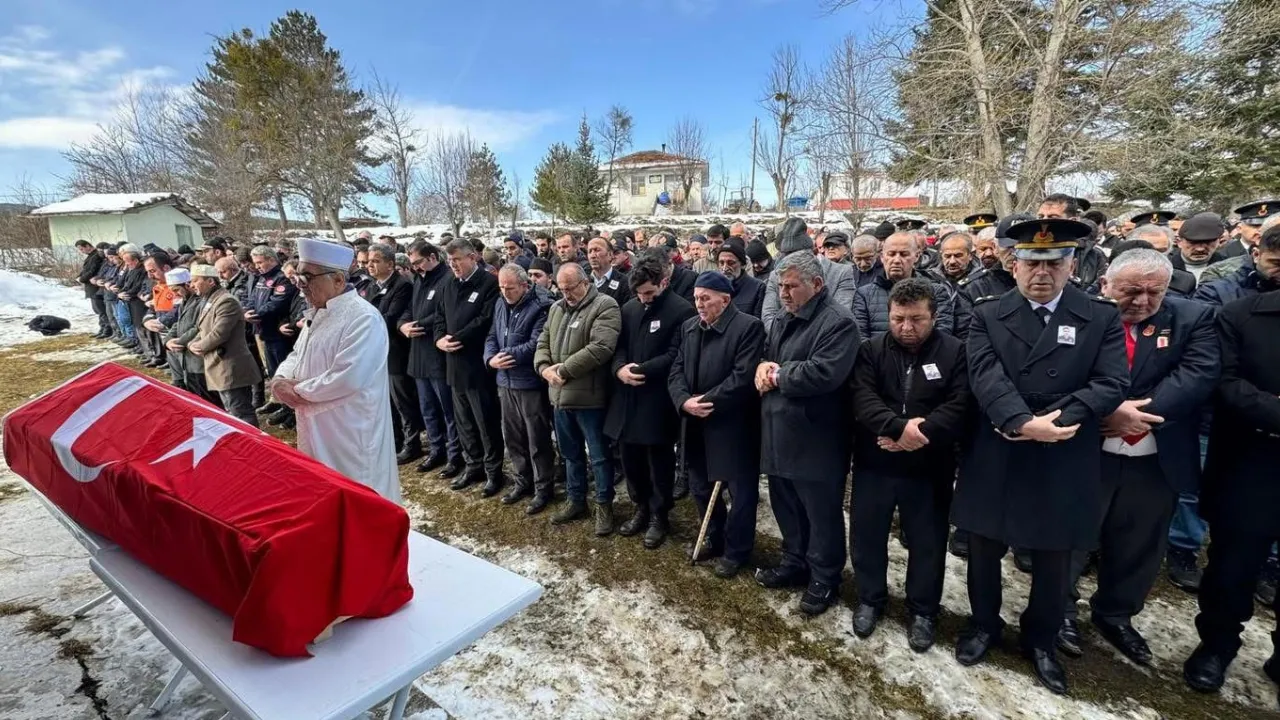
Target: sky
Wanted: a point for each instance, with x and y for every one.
(517, 75)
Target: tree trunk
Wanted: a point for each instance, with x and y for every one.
(990, 152)
(402, 209)
(335, 223)
(780, 187)
(284, 219)
(1035, 166)
(318, 213)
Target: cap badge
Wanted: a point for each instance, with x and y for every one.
(1044, 236)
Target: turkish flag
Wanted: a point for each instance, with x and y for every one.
(278, 541)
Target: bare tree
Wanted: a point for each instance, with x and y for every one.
(516, 203)
(614, 130)
(787, 94)
(24, 240)
(138, 150)
(444, 175)
(688, 143)
(849, 110)
(397, 138)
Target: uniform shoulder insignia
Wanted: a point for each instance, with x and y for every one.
(1102, 299)
(986, 298)
(970, 278)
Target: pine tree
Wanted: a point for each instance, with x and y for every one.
(551, 182)
(486, 191)
(587, 201)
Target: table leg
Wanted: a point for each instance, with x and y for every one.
(163, 698)
(397, 705)
(80, 611)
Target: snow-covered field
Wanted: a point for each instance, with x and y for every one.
(24, 296)
(646, 644)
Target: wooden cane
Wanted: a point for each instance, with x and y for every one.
(706, 520)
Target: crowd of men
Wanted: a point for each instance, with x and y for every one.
(1086, 393)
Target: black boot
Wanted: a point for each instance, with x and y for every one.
(433, 461)
(493, 484)
(467, 479)
(452, 470)
(639, 521)
(521, 490)
(412, 451)
(681, 487)
(656, 534)
(540, 503)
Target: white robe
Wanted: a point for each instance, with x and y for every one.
(341, 361)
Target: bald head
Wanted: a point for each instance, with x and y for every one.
(227, 268)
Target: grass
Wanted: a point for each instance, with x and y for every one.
(712, 606)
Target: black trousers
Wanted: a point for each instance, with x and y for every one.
(259, 389)
(1137, 506)
(239, 403)
(526, 429)
(404, 399)
(811, 518)
(100, 309)
(1226, 590)
(923, 504)
(476, 413)
(1050, 576)
(732, 529)
(650, 472)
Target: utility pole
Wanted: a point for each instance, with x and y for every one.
(755, 129)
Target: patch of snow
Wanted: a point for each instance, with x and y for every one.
(102, 203)
(24, 296)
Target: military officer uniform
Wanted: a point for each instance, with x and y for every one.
(1028, 359)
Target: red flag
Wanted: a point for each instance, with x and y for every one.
(280, 542)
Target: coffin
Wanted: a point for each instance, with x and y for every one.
(284, 545)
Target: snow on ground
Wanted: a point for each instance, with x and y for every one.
(24, 296)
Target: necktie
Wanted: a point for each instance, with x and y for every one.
(1043, 313)
(1130, 349)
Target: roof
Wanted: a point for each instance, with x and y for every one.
(651, 157)
(122, 203)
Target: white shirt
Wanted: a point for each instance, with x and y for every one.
(603, 278)
(341, 361)
(1052, 304)
(1117, 446)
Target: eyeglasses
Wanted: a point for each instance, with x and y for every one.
(303, 278)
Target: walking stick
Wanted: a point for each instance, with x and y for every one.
(706, 520)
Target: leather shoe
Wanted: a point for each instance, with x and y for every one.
(1022, 559)
(708, 552)
(467, 479)
(726, 568)
(493, 485)
(1125, 639)
(656, 534)
(638, 522)
(921, 632)
(540, 503)
(1069, 640)
(959, 545)
(452, 470)
(518, 492)
(433, 461)
(1048, 669)
(865, 619)
(782, 577)
(817, 598)
(411, 452)
(1204, 671)
(973, 645)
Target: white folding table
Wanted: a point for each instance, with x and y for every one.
(457, 599)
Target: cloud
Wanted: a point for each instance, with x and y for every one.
(501, 129)
(54, 98)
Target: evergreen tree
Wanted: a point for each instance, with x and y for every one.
(551, 182)
(486, 191)
(587, 201)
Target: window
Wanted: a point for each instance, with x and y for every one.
(637, 184)
(184, 234)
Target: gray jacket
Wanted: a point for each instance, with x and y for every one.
(184, 331)
(837, 278)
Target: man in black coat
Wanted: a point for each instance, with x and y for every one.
(871, 302)
(711, 387)
(391, 294)
(748, 292)
(1046, 364)
(957, 261)
(1151, 450)
(804, 384)
(910, 399)
(426, 361)
(641, 418)
(608, 279)
(461, 326)
(93, 259)
(1240, 495)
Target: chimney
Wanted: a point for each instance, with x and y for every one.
(664, 147)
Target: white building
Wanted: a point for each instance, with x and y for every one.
(641, 177)
(162, 218)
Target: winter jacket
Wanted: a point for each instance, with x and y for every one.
(650, 338)
(891, 385)
(861, 278)
(466, 314)
(748, 295)
(617, 285)
(110, 275)
(871, 307)
(837, 280)
(815, 349)
(515, 331)
(89, 270)
(682, 282)
(184, 330)
(425, 359)
(1242, 283)
(391, 300)
(580, 339)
